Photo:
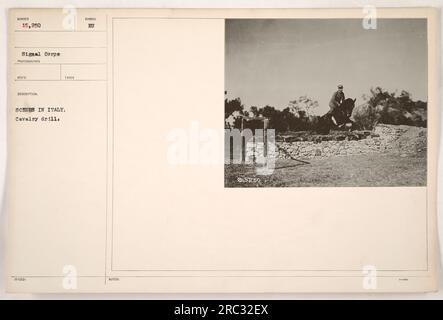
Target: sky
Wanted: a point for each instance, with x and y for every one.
(271, 62)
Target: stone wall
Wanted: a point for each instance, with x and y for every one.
(384, 138)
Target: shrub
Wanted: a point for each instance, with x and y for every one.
(389, 108)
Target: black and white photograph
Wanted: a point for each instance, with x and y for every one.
(325, 102)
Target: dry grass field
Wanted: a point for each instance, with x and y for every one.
(369, 170)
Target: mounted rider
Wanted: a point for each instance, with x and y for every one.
(336, 100)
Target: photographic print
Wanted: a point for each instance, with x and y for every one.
(325, 103)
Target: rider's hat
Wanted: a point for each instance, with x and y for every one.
(340, 86)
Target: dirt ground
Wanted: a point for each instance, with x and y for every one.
(370, 170)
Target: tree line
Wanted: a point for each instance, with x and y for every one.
(380, 106)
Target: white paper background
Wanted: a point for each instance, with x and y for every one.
(187, 4)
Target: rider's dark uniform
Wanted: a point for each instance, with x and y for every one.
(336, 99)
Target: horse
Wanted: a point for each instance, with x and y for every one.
(338, 119)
